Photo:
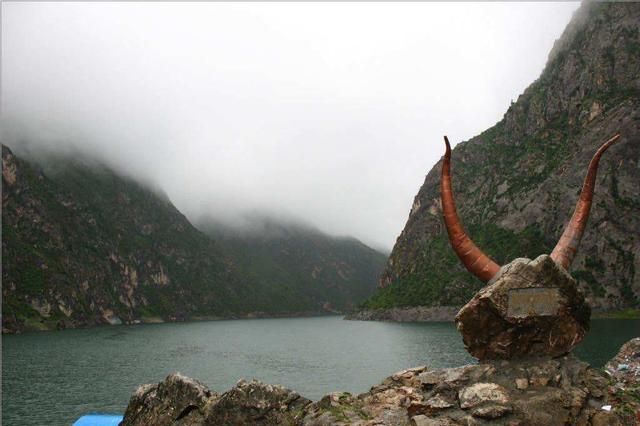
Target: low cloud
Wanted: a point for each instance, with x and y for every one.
(328, 113)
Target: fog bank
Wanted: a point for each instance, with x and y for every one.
(328, 112)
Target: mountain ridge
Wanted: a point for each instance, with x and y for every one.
(516, 183)
(83, 246)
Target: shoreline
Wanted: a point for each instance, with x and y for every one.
(52, 326)
(407, 314)
(448, 313)
(630, 313)
(402, 314)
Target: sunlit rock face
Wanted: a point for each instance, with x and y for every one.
(531, 308)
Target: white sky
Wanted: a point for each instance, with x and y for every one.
(328, 112)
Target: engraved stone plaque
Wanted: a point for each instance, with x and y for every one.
(526, 302)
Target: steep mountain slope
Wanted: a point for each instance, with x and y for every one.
(516, 184)
(82, 246)
(294, 257)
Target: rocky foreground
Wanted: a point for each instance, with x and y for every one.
(543, 391)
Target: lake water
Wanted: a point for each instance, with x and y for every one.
(51, 378)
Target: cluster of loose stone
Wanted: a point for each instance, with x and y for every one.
(538, 391)
(527, 392)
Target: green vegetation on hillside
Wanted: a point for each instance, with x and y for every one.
(516, 184)
(83, 246)
(444, 283)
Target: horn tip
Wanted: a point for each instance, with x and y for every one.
(613, 139)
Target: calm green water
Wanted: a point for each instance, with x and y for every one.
(51, 378)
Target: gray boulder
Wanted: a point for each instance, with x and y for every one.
(181, 401)
(256, 403)
(178, 400)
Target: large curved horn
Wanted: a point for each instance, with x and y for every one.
(476, 262)
(567, 246)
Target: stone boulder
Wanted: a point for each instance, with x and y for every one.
(486, 400)
(181, 401)
(530, 308)
(178, 400)
(256, 403)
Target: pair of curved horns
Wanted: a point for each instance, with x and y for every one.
(481, 265)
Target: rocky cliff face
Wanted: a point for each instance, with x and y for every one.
(516, 184)
(83, 246)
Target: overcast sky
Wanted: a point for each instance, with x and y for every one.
(328, 112)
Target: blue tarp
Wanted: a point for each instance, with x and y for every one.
(98, 420)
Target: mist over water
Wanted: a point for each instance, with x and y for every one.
(326, 113)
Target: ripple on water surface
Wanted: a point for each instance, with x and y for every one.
(54, 377)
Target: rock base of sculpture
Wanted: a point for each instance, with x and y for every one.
(530, 308)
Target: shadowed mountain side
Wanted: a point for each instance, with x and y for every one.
(301, 260)
(83, 246)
